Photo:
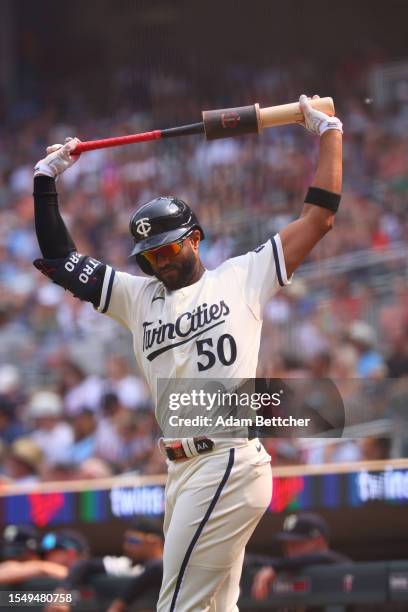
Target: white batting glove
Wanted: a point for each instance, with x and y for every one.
(58, 159)
(315, 121)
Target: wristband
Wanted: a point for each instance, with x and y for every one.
(42, 168)
(323, 198)
(332, 123)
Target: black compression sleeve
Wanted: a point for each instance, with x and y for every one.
(82, 571)
(150, 579)
(53, 237)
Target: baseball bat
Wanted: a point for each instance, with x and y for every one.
(221, 123)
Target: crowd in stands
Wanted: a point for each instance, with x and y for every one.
(72, 401)
(64, 559)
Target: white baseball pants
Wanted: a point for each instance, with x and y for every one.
(213, 503)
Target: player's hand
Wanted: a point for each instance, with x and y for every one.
(117, 605)
(58, 607)
(315, 121)
(262, 583)
(58, 159)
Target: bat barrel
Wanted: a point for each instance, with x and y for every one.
(291, 113)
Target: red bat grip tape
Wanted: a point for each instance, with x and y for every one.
(91, 145)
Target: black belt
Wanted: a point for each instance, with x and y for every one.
(194, 446)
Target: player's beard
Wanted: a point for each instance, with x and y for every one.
(181, 273)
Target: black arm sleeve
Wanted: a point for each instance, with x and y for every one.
(150, 579)
(81, 571)
(53, 237)
(80, 274)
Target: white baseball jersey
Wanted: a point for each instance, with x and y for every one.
(211, 328)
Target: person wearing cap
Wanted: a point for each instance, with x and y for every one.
(84, 425)
(10, 426)
(21, 561)
(51, 433)
(142, 561)
(20, 542)
(305, 541)
(370, 363)
(24, 461)
(65, 547)
(143, 544)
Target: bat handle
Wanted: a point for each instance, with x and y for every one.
(291, 113)
(91, 145)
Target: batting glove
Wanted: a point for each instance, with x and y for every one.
(58, 159)
(315, 121)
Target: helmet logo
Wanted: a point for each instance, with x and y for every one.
(143, 227)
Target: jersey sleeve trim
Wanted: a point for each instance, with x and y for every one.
(106, 289)
(279, 261)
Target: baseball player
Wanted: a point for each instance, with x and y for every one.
(189, 322)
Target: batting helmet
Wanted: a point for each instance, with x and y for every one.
(159, 222)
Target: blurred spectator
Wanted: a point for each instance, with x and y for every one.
(58, 472)
(341, 451)
(344, 306)
(143, 544)
(283, 451)
(24, 461)
(344, 364)
(106, 436)
(130, 390)
(64, 546)
(374, 449)
(20, 542)
(10, 426)
(320, 364)
(305, 541)
(21, 561)
(370, 363)
(84, 428)
(11, 384)
(94, 468)
(397, 361)
(131, 441)
(51, 433)
(393, 316)
(77, 389)
(143, 552)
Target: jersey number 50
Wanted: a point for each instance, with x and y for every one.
(222, 343)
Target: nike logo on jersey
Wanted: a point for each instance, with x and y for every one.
(187, 326)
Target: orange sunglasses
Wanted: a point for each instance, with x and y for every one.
(167, 251)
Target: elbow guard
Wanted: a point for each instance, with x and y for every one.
(81, 275)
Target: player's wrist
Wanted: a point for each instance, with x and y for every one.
(42, 168)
